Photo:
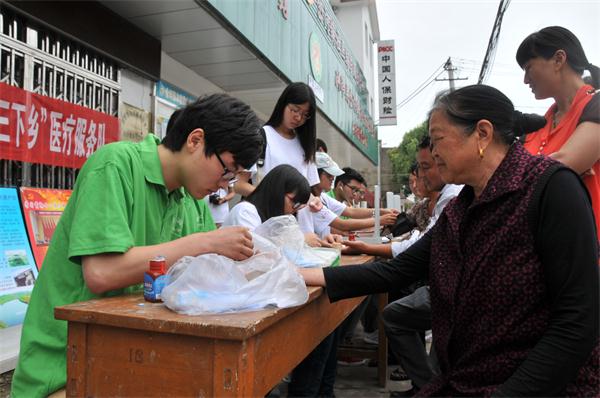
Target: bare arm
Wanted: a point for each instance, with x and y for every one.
(337, 231)
(312, 276)
(383, 250)
(354, 224)
(242, 186)
(229, 196)
(582, 149)
(109, 271)
(358, 212)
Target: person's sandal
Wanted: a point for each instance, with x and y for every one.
(398, 375)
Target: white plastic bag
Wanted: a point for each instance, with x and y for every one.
(285, 233)
(212, 283)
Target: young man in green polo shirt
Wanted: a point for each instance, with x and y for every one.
(349, 187)
(132, 202)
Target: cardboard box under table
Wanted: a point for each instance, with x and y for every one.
(124, 346)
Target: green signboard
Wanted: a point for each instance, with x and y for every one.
(305, 42)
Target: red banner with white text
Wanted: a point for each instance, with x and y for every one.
(39, 129)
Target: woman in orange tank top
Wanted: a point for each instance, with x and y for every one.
(554, 61)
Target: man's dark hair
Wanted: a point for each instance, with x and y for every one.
(414, 169)
(349, 175)
(228, 123)
(425, 142)
(172, 119)
(298, 94)
(269, 195)
(321, 144)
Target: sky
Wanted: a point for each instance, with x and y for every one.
(427, 32)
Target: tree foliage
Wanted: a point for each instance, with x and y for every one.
(403, 156)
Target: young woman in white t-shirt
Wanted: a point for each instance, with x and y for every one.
(283, 191)
(291, 139)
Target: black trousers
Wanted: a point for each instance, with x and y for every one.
(315, 375)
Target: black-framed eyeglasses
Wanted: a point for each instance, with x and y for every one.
(298, 111)
(354, 189)
(228, 175)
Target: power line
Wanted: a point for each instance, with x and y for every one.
(419, 89)
(422, 86)
(490, 54)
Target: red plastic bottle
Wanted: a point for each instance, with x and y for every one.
(155, 279)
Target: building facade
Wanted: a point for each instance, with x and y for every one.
(139, 60)
(79, 74)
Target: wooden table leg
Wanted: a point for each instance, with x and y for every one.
(382, 349)
(76, 359)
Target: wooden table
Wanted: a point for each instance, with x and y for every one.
(125, 346)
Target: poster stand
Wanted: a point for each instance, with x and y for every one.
(19, 265)
(42, 208)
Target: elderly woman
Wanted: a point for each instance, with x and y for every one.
(512, 261)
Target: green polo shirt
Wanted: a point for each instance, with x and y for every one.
(119, 201)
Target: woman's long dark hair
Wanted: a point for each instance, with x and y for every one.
(468, 105)
(298, 94)
(269, 195)
(547, 41)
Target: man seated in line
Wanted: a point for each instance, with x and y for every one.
(432, 180)
(329, 215)
(406, 318)
(426, 200)
(132, 202)
(349, 188)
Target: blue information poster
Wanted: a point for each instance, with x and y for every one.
(17, 267)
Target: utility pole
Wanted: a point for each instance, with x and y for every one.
(490, 53)
(448, 67)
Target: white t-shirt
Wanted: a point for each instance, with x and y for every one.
(332, 208)
(321, 220)
(333, 204)
(219, 212)
(281, 150)
(244, 214)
